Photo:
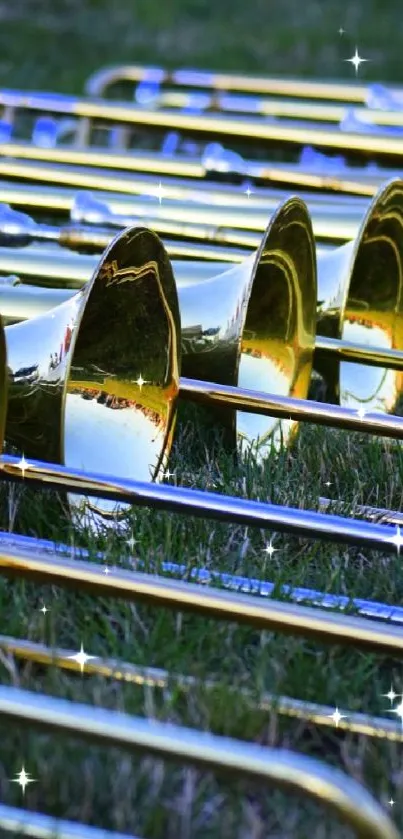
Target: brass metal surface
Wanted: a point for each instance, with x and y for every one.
(252, 130)
(97, 84)
(220, 214)
(312, 525)
(234, 582)
(294, 772)
(72, 372)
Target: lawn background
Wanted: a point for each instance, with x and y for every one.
(55, 46)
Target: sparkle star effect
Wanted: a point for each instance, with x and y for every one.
(248, 192)
(391, 695)
(391, 802)
(140, 381)
(169, 475)
(23, 465)
(398, 711)
(361, 413)
(356, 60)
(337, 716)
(106, 570)
(341, 31)
(44, 609)
(269, 550)
(23, 779)
(81, 658)
(397, 539)
(131, 543)
(159, 192)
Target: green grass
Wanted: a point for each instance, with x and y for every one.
(56, 46)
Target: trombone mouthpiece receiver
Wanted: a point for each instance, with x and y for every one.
(93, 382)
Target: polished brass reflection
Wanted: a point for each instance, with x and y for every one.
(251, 326)
(296, 773)
(98, 83)
(93, 383)
(360, 300)
(252, 130)
(225, 217)
(171, 95)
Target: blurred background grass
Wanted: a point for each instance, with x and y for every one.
(55, 46)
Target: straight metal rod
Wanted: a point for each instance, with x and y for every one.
(287, 407)
(306, 523)
(204, 576)
(294, 772)
(335, 224)
(271, 615)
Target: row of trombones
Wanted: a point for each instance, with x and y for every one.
(252, 302)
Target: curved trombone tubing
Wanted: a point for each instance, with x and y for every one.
(330, 223)
(39, 826)
(97, 84)
(250, 130)
(348, 799)
(312, 713)
(329, 528)
(153, 96)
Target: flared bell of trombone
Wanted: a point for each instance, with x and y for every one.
(360, 299)
(93, 383)
(253, 326)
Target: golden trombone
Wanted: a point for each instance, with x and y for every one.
(115, 345)
(328, 786)
(105, 77)
(225, 215)
(358, 305)
(152, 94)
(253, 131)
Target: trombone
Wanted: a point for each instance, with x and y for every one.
(358, 320)
(151, 94)
(225, 215)
(115, 344)
(252, 130)
(97, 84)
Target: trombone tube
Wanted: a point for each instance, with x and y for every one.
(40, 826)
(180, 180)
(304, 523)
(234, 582)
(250, 130)
(333, 223)
(97, 83)
(294, 772)
(310, 712)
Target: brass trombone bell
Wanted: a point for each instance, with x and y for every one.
(342, 295)
(75, 375)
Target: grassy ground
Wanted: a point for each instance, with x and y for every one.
(56, 46)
